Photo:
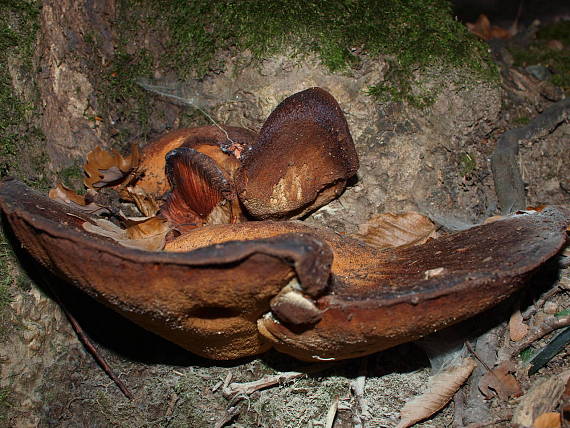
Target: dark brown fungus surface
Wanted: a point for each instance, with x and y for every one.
(231, 290)
(207, 301)
(302, 159)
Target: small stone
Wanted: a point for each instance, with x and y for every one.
(551, 308)
(539, 71)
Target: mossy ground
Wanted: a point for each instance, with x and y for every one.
(21, 152)
(413, 35)
(542, 52)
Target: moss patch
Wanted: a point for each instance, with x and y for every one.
(414, 35)
(4, 404)
(467, 164)
(72, 177)
(543, 52)
(21, 153)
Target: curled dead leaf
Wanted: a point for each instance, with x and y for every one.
(517, 328)
(147, 235)
(104, 168)
(500, 382)
(439, 392)
(146, 203)
(65, 195)
(482, 28)
(397, 230)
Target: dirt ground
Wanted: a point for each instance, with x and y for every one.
(435, 160)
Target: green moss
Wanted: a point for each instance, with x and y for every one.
(20, 153)
(414, 35)
(521, 121)
(468, 164)
(8, 276)
(539, 52)
(557, 31)
(4, 404)
(120, 93)
(72, 177)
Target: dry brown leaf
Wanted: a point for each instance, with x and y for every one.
(482, 28)
(548, 420)
(146, 203)
(517, 328)
(439, 392)
(65, 195)
(493, 219)
(555, 45)
(147, 235)
(147, 228)
(397, 230)
(500, 382)
(105, 168)
(543, 397)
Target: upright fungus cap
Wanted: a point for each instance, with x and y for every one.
(302, 159)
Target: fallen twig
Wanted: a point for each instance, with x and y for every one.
(247, 388)
(472, 351)
(230, 413)
(331, 414)
(537, 333)
(357, 385)
(88, 344)
(477, 407)
(93, 351)
(509, 185)
(533, 309)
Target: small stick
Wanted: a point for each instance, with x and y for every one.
(483, 363)
(357, 386)
(540, 302)
(89, 345)
(331, 414)
(472, 351)
(247, 388)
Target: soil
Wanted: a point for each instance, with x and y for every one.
(435, 161)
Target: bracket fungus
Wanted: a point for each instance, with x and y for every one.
(229, 280)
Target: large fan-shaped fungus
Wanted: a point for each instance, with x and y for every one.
(234, 289)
